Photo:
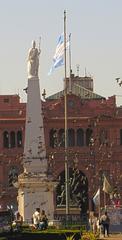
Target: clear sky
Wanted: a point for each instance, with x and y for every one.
(96, 28)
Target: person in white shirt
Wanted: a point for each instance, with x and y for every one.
(36, 218)
(94, 224)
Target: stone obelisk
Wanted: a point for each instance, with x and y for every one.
(36, 190)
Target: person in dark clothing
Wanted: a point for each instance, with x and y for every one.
(105, 221)
(43, 221)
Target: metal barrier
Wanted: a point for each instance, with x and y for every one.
(73, 221)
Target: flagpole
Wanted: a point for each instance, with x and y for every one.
(104, 200)
(66, 134)
(70, 69)
(99, 203)
(104, 188)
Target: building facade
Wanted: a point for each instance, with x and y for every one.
(94, 140)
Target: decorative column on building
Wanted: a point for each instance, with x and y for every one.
(36, 188)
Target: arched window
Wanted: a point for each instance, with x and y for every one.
(80, 137)
(89, 132)
(19, 139)
(5, 139)
(71, 137)
(12, 139)
(53, 138)
(120, 136)
(61, 137)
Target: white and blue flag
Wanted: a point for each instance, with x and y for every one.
(58, 59)
(96, 198)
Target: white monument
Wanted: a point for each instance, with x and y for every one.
(36, 188)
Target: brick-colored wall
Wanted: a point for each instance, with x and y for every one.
(98, 114)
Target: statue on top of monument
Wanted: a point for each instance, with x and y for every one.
(33, 60)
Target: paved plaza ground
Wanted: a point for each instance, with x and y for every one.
(113, 237)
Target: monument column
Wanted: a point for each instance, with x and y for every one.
(36, 189)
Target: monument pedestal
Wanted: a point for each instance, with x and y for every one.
(35, 192)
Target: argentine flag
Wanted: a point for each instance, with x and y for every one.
(58, 59)
(96, 198)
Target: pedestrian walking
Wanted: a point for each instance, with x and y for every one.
(105, 222)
